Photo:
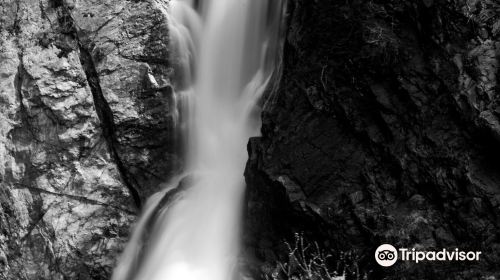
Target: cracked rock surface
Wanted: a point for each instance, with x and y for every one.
(85, 115)
(385, 129)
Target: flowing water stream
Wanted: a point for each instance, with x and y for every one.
(224, 54)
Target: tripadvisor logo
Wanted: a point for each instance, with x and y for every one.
(386, 255)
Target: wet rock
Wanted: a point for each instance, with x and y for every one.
(395, 142)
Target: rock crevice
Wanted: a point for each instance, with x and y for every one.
(107, 122)
(385, 118)
(84, 134)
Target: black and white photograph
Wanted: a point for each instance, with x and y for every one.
(249, 140)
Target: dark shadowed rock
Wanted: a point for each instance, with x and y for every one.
(384, 130)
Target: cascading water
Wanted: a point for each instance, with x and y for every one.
(224, 55)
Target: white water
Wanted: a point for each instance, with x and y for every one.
(224, 57)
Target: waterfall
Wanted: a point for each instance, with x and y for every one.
(224, 55)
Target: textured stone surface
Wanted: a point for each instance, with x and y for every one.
(85, 113)
(385, 129)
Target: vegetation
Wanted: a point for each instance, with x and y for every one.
(306, 261)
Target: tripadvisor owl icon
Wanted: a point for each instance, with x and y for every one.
(386, 255)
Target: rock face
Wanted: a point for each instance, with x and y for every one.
(86, 114)
(385, 129)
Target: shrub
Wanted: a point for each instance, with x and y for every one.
(306, 261)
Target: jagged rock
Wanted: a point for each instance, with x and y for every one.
(384, 129)
(86, 114)
(387, 118)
